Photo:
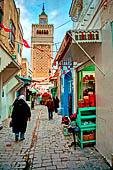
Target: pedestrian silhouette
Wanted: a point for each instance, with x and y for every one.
(50, 105)
(57, 104)
(20, 115)
(32, 103)
(16, 100)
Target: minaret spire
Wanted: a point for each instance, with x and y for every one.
(43, 9)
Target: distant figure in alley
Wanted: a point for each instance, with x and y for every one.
(50, 105)
(32, 103)
(57, 104)
(20, 115)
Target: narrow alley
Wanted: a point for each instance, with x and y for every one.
(45, 147)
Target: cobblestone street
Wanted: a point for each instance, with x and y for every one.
(45, 147)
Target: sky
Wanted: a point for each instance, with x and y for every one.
(58, 14)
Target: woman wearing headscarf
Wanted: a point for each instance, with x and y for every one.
(20, 115)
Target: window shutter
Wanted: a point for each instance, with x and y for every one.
(1, 14)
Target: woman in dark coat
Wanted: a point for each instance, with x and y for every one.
(20, 115)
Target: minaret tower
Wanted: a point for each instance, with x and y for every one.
(42, 38)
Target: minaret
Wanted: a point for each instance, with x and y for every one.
(42, 38)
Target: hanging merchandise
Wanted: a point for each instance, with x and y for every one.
(64, 72)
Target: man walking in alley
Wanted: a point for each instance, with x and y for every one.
(50, 106)
(20, 115)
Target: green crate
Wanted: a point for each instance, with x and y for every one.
(66, 132)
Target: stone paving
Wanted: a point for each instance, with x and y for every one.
(45, 147)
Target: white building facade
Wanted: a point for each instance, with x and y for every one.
(98, 15)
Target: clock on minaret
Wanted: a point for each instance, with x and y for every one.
(42, 21)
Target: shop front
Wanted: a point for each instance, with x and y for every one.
(86, 117)
(54, 91)
(84, 48)
(68, 92)
(67, 96)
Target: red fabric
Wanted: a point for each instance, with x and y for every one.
(55, 62)
(86, 101)
(50, 77)
(81, 105)
(48, 55)
(26, 44)
(69, 68)
(29, 119)
(82, 36)
(92, 100)
(64, 72)
(54, 75)
(90, 35)
(74, 116)
(40, 50)
(5, 29)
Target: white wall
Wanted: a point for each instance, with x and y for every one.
(104, 95)
(4, 109)
(0, 93)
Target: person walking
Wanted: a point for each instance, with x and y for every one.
(57, 104)
(16, 100)
(50, 105)
(20, 115)
(32, 103)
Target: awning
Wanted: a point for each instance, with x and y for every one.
(14, 84)
(90, 41)
(8, 66)
(25, 80)
(83, 47)
(77, 55)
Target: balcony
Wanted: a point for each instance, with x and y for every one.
(82, 36)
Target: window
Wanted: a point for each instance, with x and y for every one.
(12, 34)
(18, 48)
(1, 15)
(42, 32)
(1, 11)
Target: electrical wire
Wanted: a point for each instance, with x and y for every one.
(63, 24)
